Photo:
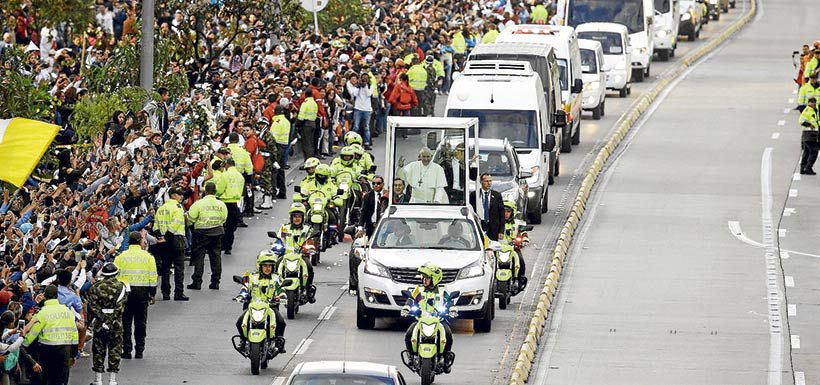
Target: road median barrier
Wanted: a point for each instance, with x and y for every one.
(535, 329)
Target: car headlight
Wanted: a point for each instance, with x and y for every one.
(504, 256)
(374, 268)
(257, 315)
(291, 265)
(685, 17)
(591, 86)
(510, 195)
(472, 270)
(620, 65)
(535, 179)
(428, 330)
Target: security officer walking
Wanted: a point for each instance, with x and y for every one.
(307, 121)
(208, 216)
(106, 303)
(231, 195)
(417, 76)
(809, 139)
(54, 328)
(245, 166)
(280, 130)
(137, 269)
(169, 223)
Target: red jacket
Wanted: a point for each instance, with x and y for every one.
(252, 145)
(402, 97)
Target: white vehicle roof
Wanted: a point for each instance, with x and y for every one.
(521, 48)
(558, 36)
(602, 27)
(431, 122)
(351, 367)
(590, 44)
(428, 211)
(484, 85)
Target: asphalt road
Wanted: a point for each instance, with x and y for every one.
(676, 275)
(190, 342)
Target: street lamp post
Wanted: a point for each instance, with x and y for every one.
(147, 46)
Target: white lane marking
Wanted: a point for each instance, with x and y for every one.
(782, 232)
(799, 378)
(785, 255)
(781, 122)
(278, 381)
(330, 313)
(773, 289)
(322, 314)
(792, 310)
(303, 346)
(797, 176)
(786, 110)
(775, 135)
(791, 100)
(788, 211)
(734, 228)
(795, 341)
(792, 192)
(789, 281)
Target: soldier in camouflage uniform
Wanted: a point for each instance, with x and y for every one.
(430, 90)
(106, 301)
(268, 175)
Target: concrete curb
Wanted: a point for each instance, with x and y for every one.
(529, 348)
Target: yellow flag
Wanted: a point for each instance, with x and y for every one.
(22, 143)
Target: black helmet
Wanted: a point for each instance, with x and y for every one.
(109, 270)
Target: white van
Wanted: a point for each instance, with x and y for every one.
(636, 15)
(614, 39)
(565, 42)
(592, 63)
(508, 99)
(667, 23)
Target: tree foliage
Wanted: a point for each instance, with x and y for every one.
(339, 13)
(51, 13)
(92, 112)
(20, 96)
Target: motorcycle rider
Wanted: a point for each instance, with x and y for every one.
(262, 284)
(511, 231)
(346, 162)
(294, 234)
(310, 168)
(362, 157)
(428, 297)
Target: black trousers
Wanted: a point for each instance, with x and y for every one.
(809, 144)
(522, 266)
(172, 257)
(279, 331)
(136, 314)
(447, 333)
(230, 226)
(279, 180)
(308, 131)
(55, 360)
(354, 262)
(247, 193)
(212, 245)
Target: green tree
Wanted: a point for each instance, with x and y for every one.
(51, 13)
(339, 13)
(21, 96)
(93, 111)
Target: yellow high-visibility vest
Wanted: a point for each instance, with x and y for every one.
(309, 110)
(234, 183)
(208, 213)
(137, 267)
(170, 217)
(56, 326)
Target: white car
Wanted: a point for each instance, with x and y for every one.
(344, 372)
(409, 236)
(592, 72)
(614, 39)
(667, 23)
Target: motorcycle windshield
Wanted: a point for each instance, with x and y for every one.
(341, 379)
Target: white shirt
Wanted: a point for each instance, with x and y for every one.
(428, 182)
(361, 97)
(479, 202)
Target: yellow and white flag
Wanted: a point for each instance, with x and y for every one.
(22, 143)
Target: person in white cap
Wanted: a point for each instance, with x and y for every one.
(425, 177)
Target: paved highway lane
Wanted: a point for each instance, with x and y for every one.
(190, 342)
(660, 287)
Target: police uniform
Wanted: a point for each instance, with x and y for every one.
(57, 337)
(308, 112)
(106, 303)
(138, 270)
(809, 139)
(169, 222)
(280, 130)
(208, 216)
(417, 76)
(231, 194)
(244, 164)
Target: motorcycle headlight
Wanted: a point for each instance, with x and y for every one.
(472, 270)
(504, 256)
(685, 17)
(374, 268)
(291, 265)
(317, 206)
(428, 330)
(257, 315)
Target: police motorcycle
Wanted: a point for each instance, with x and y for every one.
(258, 324)
(507, 265)
(351, 194)
(321, 215)
(428, 340)
(292, 266)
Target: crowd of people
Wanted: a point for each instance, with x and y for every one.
(259, 107)
(807, 97)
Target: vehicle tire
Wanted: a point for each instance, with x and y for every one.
(544, 202)
(596, 115)
(363, 320)
(256, 357)
(731, 4)
(622, 92)
(264, 363)
(426, 372)
(603, 107)
(629, 90)
(646, 71)
(292, 305)
(672, 51)
(637, 75)
(664, 54)
(534, 216)
(557, 166)
(485, 324)
(503, 288)
(552, 171)
(716, 15)
(693, 35)
(566, 145)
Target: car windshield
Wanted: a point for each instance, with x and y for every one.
(496, 163)
(588, 64)
(428, 182)
(562, 74)
(626, 12)
(426, 233)
(340, 379)
(663, 6)
(518, 126)
(611, 42)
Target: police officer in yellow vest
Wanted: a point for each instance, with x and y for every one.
(231, 195)
(280, 130)
(245, 166)
(54, 328)
(138, 269)
(417, 76)
(808, 90)
(491, 35)
(207, 216)
(306, 120)
(169, 224)
(539, 14)
(809, 139)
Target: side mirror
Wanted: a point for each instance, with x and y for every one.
(238, 279)
(473, 173)
(578, 86)
(297, 189)
(432, 140)
(373, 168)
(559, 119)
(456, 75)
(455, 294)
(273, 235)
(549, 143)
(524, 174)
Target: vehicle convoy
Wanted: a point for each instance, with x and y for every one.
(507, 99)
(715, 7)
(691, 19)
(614, 39)
(565, 43)
(636, 15)
(344, 372)
(592, 63)
(667, 23)
(434, 226)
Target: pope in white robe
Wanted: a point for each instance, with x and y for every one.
(427, 179)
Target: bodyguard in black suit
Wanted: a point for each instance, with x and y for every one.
(374, 201)
(400, 193)
(490, 207)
